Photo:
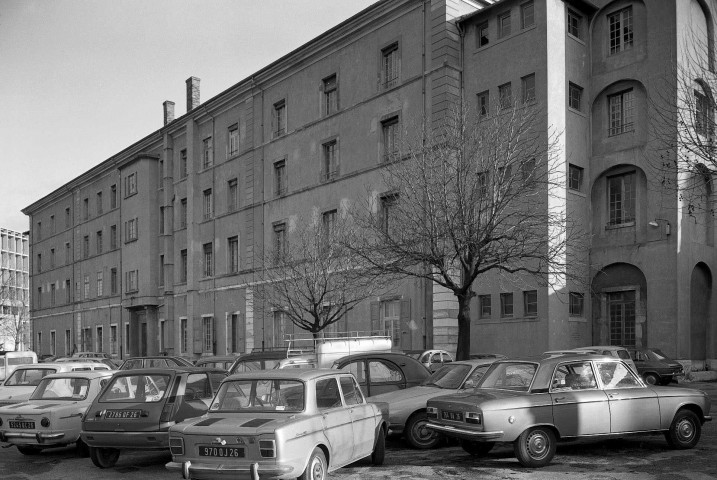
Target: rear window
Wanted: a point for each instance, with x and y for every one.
(624, 354)
(136, 389)
(261, 395)
(28, 377)
(62, 389)
(19, 360)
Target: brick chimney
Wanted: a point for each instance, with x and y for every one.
(168, 112)
(192, 93)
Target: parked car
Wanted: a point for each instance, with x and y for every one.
(137, 407)
(22, 382)
(156, 361)
(52, 415)
(9, 360)
(382, 372)
(218, 361)
(407, 408)
(111, 364)
(282, 423)
(613, 351)
(91, 355)
(655, 367)
(535, 402)
(434, 359)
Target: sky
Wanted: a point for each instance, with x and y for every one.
(83, 79)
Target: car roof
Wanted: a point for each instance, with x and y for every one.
(554, 359)
(601, 347)
(395, 356)
(82, 374)
(291, 374)
(164, 370)
(475, 361)
(45, 365)
(154, 357)
(270, 354)
(217, 358)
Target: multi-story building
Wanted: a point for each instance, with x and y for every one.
(14, 295)
(156, 249)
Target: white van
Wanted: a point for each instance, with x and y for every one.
(9, 360)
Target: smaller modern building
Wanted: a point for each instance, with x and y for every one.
(14, 290)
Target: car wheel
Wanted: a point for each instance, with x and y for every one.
(684, 431)
(535, 447)
(417, 435)
(478, 449)
(83, 450)
(316, 469)
(651, 379)
(379, 451)
(104, 457)
(25, 450)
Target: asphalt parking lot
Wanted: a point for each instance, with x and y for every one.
(635, 457)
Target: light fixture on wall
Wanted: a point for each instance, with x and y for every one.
(655, 223)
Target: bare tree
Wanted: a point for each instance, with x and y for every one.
(311, 277)
(14, 313)
(479, 194)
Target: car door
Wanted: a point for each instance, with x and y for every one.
(336, 418)
(362, 419)
(383, 377)
(633, 407)
(580, 407)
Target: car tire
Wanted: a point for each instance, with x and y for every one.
(27, 450)
(379, 451)
(651, 379)
(417, 435)
(83, 450)
(478, 449)
(104, 457)
(535, 447)
(685, 430)
(316, 468)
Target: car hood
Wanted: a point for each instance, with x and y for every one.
(412, 395)
(233, 424)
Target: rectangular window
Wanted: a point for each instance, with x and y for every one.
(280, 178)
(527, 15)
(113, 339)
(98, 241)
(279, 240)
(280, 118)
(86, 208)
(52, 258)
(482, 183)
(100, 340)
(506, 305)
(130, 187)
(161, 270)
(527, 170)
(389, 205)
(86, 290)
(530, 303)
(130, 230)
(52, 224)
(575, 24)
(39, 297)
(113, 196)
(233, 254)
(131, 281)
(505, 95)
(233, 329)
(100, 284)
(482, 35)
(704, 123)
(68, 342)
(183, 213)
(183, 266)
(39, 262)
(86, 246)
(484, 306)
(390, 132)
(183, 163)
(183, 335)
(622, 112)
(330, 164)
(328, 224)
(208, 249)
(99, 203)
(126, 339)
(528, 88)
(207, 153)
(232, 195)
(575, 177)
(113, 281)
(621, 35)
(68, 218)
(208, 207)
(577, 301)
(331, 95)
(575, 96)
(483, 103)
(621, 198)
(113, 237)
(233, 147)
(208, 334)
(504, 25)
(390, 65)
(53, 293)
(68, 291)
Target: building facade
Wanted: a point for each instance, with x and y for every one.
(157, 248)
(14, 293)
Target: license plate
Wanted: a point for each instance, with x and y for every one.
(23, 425)
(123, 413)
(235, 452)
(454, 416)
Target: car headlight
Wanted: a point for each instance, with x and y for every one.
(474, 418)
(267, 448)
(45, 422)
(176, 445)
(431, 412)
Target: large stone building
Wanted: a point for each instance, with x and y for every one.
(156, 248)
(14, 294)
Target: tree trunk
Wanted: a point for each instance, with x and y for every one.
(464, 327)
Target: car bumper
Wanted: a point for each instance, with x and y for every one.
(25, 438)
(465, 434)
(135, 440)
(243, 471)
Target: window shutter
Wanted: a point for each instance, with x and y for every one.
(375, 318)
(198, 338)
(405, 314)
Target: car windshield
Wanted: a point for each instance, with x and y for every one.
(136, 388)
(27, 377)
(509, 376)
(71, 388)
(448, 376)
(260, 394)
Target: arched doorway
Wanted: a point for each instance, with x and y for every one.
(700, 300)
(619, 306)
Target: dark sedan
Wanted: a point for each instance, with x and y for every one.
(382, 372)
(655, 367)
